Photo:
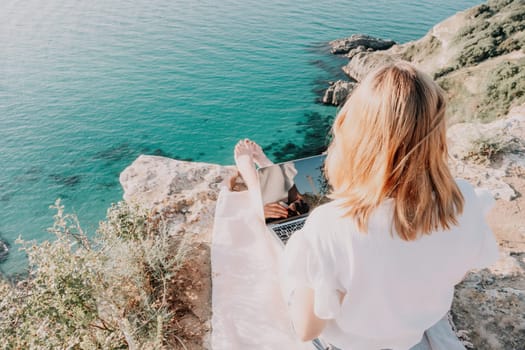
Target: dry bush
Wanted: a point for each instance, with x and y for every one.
(488, 150)
(114, 291)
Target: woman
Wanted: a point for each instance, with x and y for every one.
(376, 267)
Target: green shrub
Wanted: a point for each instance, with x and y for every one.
(494, 29)
(505, 88)
(110, 292)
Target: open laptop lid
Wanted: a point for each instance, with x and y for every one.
(298, 185)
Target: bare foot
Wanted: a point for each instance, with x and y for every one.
(243, 154)
(258, 154)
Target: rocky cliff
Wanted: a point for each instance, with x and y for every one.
(477, 56)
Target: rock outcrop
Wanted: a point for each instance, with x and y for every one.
(183, 192)
(486, 154)
(489, 305)
(338, 91)
(477, 56)
(183, 195)
(359, 42)
(356, 45)
(363, 63)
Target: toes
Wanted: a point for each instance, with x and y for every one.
(242, 148)
(241, 142)
(252, 145)
(247, 146)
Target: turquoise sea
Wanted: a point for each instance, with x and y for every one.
(87, 86)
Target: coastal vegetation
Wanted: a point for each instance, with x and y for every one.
(486, 150)
(124, 288)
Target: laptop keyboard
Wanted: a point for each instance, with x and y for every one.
(285, 230)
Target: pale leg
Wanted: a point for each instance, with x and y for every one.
(243, 154)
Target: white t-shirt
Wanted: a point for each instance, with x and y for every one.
(395, 290)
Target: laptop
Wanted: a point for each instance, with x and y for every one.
(291, 190)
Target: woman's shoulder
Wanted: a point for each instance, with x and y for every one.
(327, 223)
(324, 231)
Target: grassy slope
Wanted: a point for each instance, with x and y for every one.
(478, 57)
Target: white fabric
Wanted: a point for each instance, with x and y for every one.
(248, 309)
(395, 290)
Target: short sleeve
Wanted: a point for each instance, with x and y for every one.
(307, 262)
(488, 253)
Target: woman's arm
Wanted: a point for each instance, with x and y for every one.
(306, 324)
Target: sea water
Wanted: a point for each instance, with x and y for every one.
(87, 86)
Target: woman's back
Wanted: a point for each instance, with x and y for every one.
(394, 289)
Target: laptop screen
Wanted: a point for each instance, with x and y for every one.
(298, 186)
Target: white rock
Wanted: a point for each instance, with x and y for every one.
(464, 140)
(185, 192)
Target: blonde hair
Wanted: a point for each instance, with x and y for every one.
(389, 141)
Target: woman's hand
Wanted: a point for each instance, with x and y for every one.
(275, 211)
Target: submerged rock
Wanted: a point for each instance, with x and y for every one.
(4, 250)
